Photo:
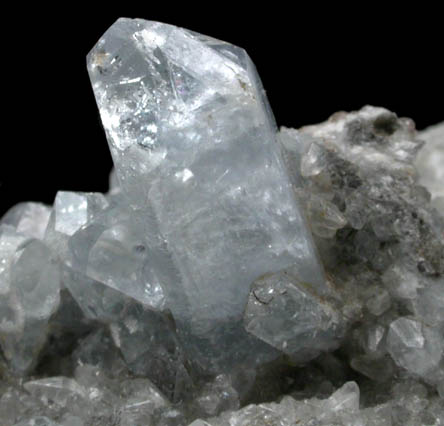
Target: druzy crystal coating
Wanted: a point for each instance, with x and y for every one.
(230, 264)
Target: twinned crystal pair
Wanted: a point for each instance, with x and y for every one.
(230, 263)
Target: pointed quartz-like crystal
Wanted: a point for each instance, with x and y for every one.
(194, 145)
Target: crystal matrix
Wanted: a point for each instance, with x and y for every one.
(191, 293)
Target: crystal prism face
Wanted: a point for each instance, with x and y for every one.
(288, 315)
(193, 140)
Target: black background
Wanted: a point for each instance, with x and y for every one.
(312, 62)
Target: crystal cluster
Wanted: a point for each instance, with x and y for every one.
(234, 274)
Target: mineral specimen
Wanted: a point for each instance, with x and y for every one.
(230, 265)
(195, 150)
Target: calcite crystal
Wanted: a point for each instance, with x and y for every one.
(234, 274)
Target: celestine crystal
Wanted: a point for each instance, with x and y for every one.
(194, 146)
(230, 264)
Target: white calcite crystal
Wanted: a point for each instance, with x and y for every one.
(234, 274)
